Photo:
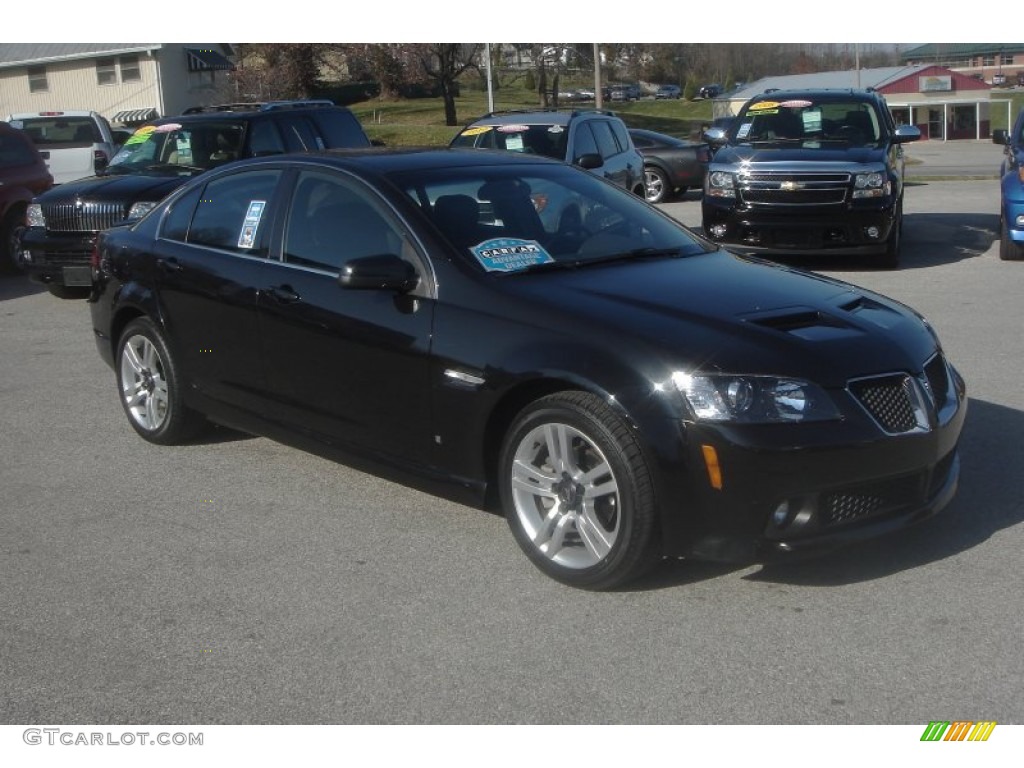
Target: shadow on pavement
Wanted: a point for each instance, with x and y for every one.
(16, 286)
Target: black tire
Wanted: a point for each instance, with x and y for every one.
(656, 183)
(11, 228)
(152, 396)
(891, 255)
(602, 544)
(1008, 250)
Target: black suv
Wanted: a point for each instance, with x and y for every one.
(596, 140)
(158, 158)
(814, 171)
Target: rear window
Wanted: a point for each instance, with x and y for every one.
(340, 128)
(53, 131)
(15, 151)
(547, 140)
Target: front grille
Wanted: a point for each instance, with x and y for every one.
(892, 402)
(871, 499)
(64, 258)
(82, 216)
(767, 188)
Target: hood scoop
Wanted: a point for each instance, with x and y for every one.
(803, 322)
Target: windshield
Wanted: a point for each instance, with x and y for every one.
(547, 140)
(177, 149)
(512, 219)
(52, 132)
(805, 121)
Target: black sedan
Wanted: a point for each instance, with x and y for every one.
(671, 165)
(625, 390)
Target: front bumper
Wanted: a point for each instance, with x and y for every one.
(845, 230)
(59, 259)
(786, 494)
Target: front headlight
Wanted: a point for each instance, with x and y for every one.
(721, 184)
(754, 399)
(34, 215)
(873, 184)
(138, 210)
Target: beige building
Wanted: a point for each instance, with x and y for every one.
(127, 83)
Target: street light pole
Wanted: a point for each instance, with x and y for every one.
(487, 67)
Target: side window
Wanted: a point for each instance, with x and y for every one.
(584, 142)
(179, 215)
(299, 134)
(605, 138)
(230, 213)
(331, 221)
(264, 139)
(621, 135)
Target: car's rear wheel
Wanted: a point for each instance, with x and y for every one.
(1008, 250)
(657, 184)
(577, 492)
(150, 387)
(11, 229)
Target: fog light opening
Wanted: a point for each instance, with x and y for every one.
(872, 233)
(793, 514)
(718, 231)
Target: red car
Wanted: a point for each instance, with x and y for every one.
(23, 175)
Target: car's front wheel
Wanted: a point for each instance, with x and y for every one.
(577, 492)
(150, 388)
(11, 229)
(1008, 249)
(657, 184)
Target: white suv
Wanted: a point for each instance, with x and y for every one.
(74, 144)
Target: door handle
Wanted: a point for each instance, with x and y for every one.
(285, 294)
(169, 265)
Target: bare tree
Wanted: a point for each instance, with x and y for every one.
(443, 63)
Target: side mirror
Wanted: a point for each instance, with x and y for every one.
(715, 136)
(999, 136)
(384, 272)
(589, 161)
(906, 133)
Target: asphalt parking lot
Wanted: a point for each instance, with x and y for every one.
(243, 581)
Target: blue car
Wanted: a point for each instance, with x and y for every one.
(1011, 194)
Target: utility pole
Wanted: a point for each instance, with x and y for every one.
(598, 95)
(490, 89)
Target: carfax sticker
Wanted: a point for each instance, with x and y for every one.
(247, 235)
(509, 254)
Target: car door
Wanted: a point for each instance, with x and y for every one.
(346, 365)
(616, 166)
(209, 260)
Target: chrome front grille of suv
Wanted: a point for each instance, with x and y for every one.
(82, 216)
(770, 188)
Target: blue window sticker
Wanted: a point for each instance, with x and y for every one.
(247, 235)
(509, 254)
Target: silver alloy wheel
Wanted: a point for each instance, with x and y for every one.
(655, 185)
(143, 383)
(566, 496)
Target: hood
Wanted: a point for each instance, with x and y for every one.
(736, 314)
(122, 189)
(837, 156)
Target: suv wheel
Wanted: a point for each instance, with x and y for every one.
(1008, 250)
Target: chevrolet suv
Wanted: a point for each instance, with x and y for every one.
(813, 171)
(160, 156)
